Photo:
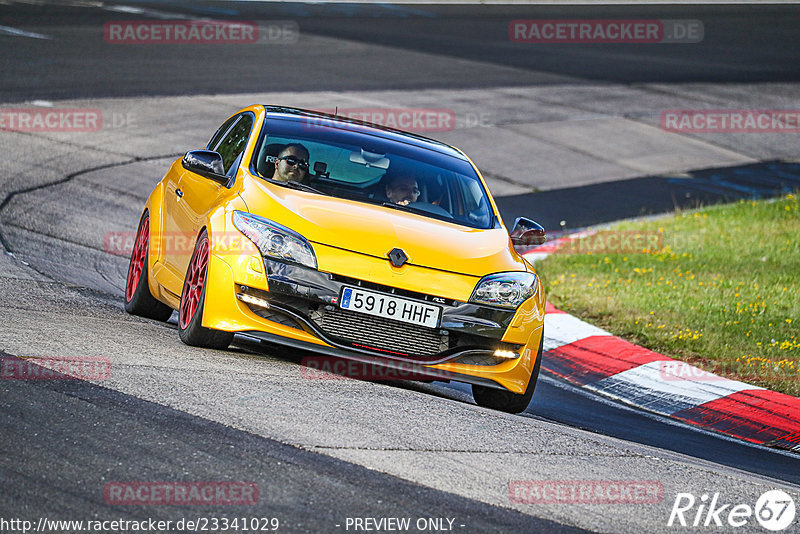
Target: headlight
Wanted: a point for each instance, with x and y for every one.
(274, 240)
(508, 290)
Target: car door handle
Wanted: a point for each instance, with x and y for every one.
(179, 193)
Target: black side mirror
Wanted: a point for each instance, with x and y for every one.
(205, 163)
(527, 234)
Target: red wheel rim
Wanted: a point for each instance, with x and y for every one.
(193, 285)
(138, 257)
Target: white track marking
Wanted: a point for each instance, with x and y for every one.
(657, 387)
(8, 30)
(563, 329)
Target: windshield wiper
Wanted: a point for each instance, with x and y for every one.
(301, 187)
(393, 205)
(413, 209)
(401, 207)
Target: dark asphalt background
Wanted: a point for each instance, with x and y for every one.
(742, 43)
(47, 427)
(51, 469)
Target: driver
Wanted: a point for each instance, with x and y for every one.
(402, 189)
(292, 164)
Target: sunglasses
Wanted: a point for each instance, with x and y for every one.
(292, 160)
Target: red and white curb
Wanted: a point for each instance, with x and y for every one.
(542, 251)
(596, 360)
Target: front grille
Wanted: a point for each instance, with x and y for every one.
(385, 335)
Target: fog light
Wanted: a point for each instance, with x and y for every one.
(250, 299)
(507, 354)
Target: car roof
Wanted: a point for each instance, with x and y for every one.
(368, 128)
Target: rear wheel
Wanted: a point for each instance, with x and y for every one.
(190, 315)
(504, 400)
(138, 299)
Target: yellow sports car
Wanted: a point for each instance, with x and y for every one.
(348, 239)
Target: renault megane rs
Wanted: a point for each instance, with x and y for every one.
(348, 239)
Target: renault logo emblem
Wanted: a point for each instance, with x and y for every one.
(397, 257)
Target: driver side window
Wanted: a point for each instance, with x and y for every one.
(221, 132)
(231, 146)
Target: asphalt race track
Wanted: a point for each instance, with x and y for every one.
(565, 133)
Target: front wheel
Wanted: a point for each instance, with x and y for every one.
(506, 401)
(193, 296)
(138, 299)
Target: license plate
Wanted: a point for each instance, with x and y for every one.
(390, 307)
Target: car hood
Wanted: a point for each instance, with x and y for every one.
(376, 230)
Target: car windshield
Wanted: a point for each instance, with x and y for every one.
(357, 166)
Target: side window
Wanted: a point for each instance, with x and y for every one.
(232, 145)
(222, 131)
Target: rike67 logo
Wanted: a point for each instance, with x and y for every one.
(774, 510)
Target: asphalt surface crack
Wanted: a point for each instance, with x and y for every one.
(25, 190)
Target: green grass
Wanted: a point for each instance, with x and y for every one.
(721, 290)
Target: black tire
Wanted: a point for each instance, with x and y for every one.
(190, 329)
(504, 400)
(138, 299)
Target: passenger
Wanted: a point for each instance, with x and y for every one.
(402, 189)
(292, 164)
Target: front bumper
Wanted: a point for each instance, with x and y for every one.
(301, 311)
